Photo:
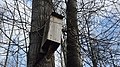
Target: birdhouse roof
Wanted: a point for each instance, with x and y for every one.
(57, 15)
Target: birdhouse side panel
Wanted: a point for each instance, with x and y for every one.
(45, 36)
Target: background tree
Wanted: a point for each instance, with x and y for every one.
(73, 49)
(15, 27)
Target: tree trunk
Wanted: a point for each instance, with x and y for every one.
(41, 11)
(94, 59)
(73, 49)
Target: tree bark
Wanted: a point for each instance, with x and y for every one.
(41, 11)
(73, 49)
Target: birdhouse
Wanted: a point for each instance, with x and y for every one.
(52, 33)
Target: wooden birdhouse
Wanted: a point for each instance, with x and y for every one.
(52, 33)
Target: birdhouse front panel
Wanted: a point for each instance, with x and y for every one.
(55, 27)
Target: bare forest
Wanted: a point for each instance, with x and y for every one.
(59, 33)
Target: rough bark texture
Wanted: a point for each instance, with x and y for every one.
(41, 11)
(73, 49)
(93, 56)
